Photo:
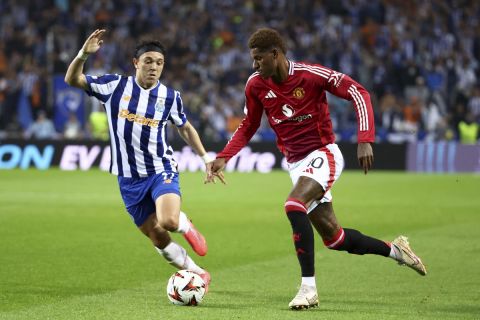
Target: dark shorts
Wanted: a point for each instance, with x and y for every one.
(139, 194)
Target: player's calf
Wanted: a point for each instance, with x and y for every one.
(302, 235)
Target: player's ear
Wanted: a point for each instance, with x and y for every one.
(275, 53)
(135, 62)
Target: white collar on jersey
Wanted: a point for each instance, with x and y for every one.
(142, 88)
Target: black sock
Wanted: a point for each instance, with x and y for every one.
(304, 241)
(358, 243)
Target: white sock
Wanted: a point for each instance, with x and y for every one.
(309, 281)
(394, 254)
(174, 254)
(192, 266)
(183, 223)
(178, 257)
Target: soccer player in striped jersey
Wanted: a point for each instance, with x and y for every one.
(293, 97)
(139, 108)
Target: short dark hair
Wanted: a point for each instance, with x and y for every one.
(149, 45)
(265, 39)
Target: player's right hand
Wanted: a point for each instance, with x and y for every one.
(365, 156)
(215, 170)
(94, 41)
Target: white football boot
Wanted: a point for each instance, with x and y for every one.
(306, 297)
(406, 257)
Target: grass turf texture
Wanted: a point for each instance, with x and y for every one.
(69, 250)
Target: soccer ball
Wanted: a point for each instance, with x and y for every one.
(185, 288)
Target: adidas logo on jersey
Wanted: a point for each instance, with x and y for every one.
(270, 95)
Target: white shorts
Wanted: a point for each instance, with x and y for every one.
(323, 165)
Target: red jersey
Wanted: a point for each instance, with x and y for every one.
(297, 110)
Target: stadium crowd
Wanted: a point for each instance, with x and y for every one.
(419, 60)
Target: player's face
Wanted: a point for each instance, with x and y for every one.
(264, 62)
(149, 68)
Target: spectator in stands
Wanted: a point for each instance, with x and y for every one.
(397, 46)
(468, 130)
(433, 121)
(42, 128)
(466, 78)
(412, 113)
(98, 125)
(390, 119)
(473, 105)
(418, 92)
(72, 129)
(456, 116)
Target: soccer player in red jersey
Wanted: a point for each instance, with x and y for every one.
(293, 97)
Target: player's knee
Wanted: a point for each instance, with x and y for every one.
(169, 224)
(331, 247)
(293, 204)
(337, 241)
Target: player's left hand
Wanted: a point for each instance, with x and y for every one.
(365, 156)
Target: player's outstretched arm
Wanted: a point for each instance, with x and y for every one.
(365, 156)
(190, 135)
(74, 75)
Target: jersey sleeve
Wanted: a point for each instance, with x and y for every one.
(102, 87)
(247, 128)
(177, 114)
(345, 87)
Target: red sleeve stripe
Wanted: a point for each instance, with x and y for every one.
(360, 106)
(293, 204)
(336, 241)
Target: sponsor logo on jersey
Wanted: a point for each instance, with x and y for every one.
(336, 78)
(298, 93)
(288, 110)
(126, 98)
(301, 118)
(276, 120)
(124, 113)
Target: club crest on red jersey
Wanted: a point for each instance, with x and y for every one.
(298, 93)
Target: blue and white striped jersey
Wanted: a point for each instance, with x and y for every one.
(137, 120)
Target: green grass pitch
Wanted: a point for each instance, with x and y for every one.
(68, 250)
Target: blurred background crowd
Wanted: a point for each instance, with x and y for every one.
(418, 59)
